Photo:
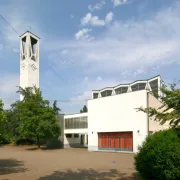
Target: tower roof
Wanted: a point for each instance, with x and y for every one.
(30, 33)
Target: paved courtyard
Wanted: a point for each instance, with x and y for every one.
(27, 163)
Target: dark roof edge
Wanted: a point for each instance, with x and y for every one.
(75, 113)
(130, 83)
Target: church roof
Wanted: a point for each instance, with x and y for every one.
(30, 33)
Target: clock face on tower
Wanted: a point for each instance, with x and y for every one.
(23, 66)
(33, 67)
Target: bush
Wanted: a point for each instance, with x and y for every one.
(4, 139)
(25, 142)
(159, 156)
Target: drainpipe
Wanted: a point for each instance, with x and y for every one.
(148, 113)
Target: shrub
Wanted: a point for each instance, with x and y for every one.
(25, 142)
(4, 139)
(159, 156)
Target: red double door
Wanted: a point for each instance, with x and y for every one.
(116, 140)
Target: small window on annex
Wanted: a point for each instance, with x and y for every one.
(69, 135)
(76, 135)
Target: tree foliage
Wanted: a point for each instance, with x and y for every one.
(13, 122)
(2, 113)
(2, 121)
(159, 156)
(56, 108)
(37, 117)
(170, 110)
(84, 109)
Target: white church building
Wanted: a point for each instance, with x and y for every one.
(112, 122)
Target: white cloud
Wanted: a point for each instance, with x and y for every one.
(109, 17)
(20, 22)
(65, 51)
(139, 71)
(83, 34)
(127, 45)
(96, 83)
(89, 19)
(71, 16)
(97, 6)
(8, 88)
(99, 78)
(125, 73)
(119, 2)
(92, 20)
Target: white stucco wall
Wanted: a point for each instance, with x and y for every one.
(155, 125)
(117, 114)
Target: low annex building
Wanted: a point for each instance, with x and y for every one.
(113, 122)
(76, 130)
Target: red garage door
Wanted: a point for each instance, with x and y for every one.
(119, 141)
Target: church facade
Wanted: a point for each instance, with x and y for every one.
(113, 122)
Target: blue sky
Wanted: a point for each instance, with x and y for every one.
(90, 44)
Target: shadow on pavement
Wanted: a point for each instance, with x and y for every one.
(41, 148)
(8, 166)
(89, 174)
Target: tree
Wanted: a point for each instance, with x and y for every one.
(2, 121)
(26, 92)
(13, 122)
(170, 110)
(2, 113)
(38, 119)
(56, 109)
(85, 109)
(159, 156)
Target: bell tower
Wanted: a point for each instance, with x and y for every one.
(29, 60)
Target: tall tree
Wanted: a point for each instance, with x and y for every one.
(13, 122)
(84, 109)
(170, 110)
(26, 92)
(56, 108)
(2, 120)
(38, 119)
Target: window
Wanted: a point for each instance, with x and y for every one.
(138, 86)
(121, 90)
(134, 87)
(124, 89)
(76, 123)
(69, 135)
(106, 93)
(142, 86)
(103, 94)
(150, 132)
(95, 95)
(118, 90)
(109, 92)
(154, 87)
(76, 135)
(33, 44)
